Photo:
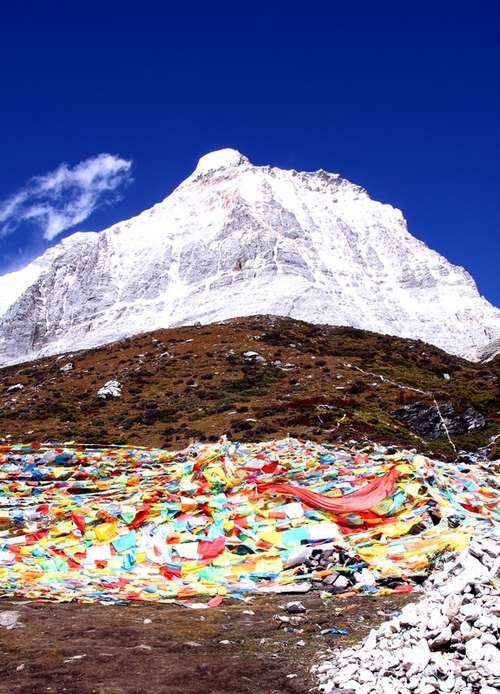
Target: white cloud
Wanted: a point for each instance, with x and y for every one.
(65, 197)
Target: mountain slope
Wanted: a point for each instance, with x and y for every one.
(236, 240)
(251, 378)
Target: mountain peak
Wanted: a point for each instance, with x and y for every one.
(220, 159)
(230, 243)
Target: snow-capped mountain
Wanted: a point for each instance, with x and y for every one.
(236, 240)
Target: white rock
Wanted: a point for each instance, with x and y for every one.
(469, 632)
(493, 606)
(368, 577)
(474, 650)
(455, 585)
(495, 568)
(347, 671)
(395, 625)
(388, 685)
(389, 661)
(473, 566)
(437, 620)
(487, 561)
(365, 675)
(324, 667)
(451, 606)
(407, 658)
(471, 611)
(490, 669)
(491, 654)
(488, 638)
(401, 647)
(298, 556)
(484, 622)
(111, 389)
(438, 578)
(491, 548)
(441, 665)
(409, 615)
(442, 638)
(371, 641)
(448, 685)
(365, 689)
(421, 656)
(9, 619)
(426, 689)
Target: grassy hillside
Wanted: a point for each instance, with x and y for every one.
(316, 382)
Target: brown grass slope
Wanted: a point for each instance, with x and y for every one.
(195, 383)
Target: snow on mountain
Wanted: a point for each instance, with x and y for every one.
(234, 240)
(484, 353)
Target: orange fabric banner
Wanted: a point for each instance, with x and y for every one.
(360, 500)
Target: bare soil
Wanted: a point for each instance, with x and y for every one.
(151, 648)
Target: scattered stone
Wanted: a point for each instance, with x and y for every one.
(295, 607)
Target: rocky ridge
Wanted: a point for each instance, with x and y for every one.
(236, 240)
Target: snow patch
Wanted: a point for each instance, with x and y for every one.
(221, 159)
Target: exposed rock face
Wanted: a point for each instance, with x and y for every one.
(237, 240)
(485, 353)
(433, 422)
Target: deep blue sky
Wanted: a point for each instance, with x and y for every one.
(399, 96)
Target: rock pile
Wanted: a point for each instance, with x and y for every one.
(449, 642)
(334, 569)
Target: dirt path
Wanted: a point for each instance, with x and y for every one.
(148, 648)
